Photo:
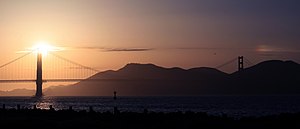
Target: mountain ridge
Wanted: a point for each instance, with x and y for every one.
(269, 77)
(150, 80)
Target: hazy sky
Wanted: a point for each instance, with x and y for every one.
(107, 34)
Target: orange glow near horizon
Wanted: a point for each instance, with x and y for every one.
(107, 35)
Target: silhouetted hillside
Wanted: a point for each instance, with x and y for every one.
(150, 71)
(18, 92)
(270, 77)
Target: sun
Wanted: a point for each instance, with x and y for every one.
(43, 48)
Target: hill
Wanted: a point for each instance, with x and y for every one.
(18, 92)
(269, 77)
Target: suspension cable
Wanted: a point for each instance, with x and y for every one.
(72, 62)
(248, 61)
(226, 63)
(15, 59)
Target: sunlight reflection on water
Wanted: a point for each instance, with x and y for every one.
(44, 103)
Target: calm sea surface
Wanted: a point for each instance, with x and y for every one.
(216, 105)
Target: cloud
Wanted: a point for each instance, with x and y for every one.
(198, 48)
(210, 48)
(109, 49)
(266, 51)
(94, 48)
(128, 49)
(275, 50)
(137, 49)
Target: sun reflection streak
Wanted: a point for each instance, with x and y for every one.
(44, 103)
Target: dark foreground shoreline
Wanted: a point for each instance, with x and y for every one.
(52, 119)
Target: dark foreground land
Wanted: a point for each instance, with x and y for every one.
(52, 119)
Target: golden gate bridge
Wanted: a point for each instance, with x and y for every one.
(54, 68)
(32, 67)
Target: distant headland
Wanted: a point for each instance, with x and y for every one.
(272, 77)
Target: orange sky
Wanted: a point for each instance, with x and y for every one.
(105, 34)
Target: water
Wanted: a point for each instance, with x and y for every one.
(235, 106)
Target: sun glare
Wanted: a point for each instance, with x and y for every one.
(43, 48)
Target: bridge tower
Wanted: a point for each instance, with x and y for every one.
(39, 75)
(240, 63)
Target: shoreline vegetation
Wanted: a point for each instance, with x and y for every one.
(69, 118)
